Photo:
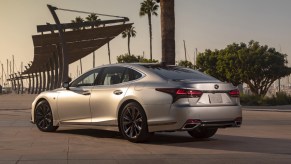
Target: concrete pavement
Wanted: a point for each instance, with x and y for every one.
(265, 137)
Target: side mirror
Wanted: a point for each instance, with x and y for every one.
(66, 85)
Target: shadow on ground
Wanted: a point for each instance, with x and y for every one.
(218, 142)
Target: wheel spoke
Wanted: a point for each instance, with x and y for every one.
(138, 127)
(126, 123)
(127, 130)
(126, 118)
(133, 113)
(131, 131)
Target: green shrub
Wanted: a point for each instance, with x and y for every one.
(281, 98)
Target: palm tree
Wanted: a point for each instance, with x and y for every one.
(93, 18)
(78, 20)
(149, 8)
(168, 31)
(129, 32)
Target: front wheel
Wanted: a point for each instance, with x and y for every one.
(44, 117)
(133, 123)
(202, 132)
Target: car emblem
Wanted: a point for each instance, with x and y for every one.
(216, 86)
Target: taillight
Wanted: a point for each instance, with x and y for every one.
(180, 93)
(234, 93)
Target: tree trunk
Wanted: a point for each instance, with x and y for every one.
(128, 42)
(168, 31)
(150, 28)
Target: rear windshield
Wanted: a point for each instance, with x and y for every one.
(180, 73)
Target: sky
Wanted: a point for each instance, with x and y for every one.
(203, 24)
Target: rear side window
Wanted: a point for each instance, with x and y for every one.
(179, 73)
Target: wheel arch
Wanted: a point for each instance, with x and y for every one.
(124, 104)
(52, 107)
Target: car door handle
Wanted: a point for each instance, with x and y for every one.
(86, 93)
(118, 92)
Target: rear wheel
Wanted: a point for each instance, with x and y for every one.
(44, 117)
(133, 123)
(202, 132)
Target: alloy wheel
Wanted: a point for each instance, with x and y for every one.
(43, 116)
(132, 122)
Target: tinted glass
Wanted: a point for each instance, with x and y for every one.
(135, 75)
(86, 79)
(112, 75)
(179, 73)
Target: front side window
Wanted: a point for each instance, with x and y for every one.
(86, 79)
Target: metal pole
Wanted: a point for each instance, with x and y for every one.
(109, 52)
(17, 79)
(21, 83)
(185, 50)
(65, 71)
(36, 83)
(48, 77)
(43, 81)
(33, 84)
(29, 84)
(56, 65)
(52, 81)
(2, 75)
(93, 59)
(40, 83)
(13, 64)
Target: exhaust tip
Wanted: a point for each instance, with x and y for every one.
(191, 124)
(238, 121)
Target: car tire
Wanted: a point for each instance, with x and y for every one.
(202, 132)
(132, 123)
(44, 117)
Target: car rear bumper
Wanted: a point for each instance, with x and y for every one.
(189, 118)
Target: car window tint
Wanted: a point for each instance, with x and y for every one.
(135, 75)
(126, 75)
(86, 79)
(112, 75)
(179, 73)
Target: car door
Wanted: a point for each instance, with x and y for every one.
(74, 103)
(107, 94)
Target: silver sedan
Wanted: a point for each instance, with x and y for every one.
(139, 99)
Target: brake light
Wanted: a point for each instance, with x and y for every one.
(234, 93)
(180, 93)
